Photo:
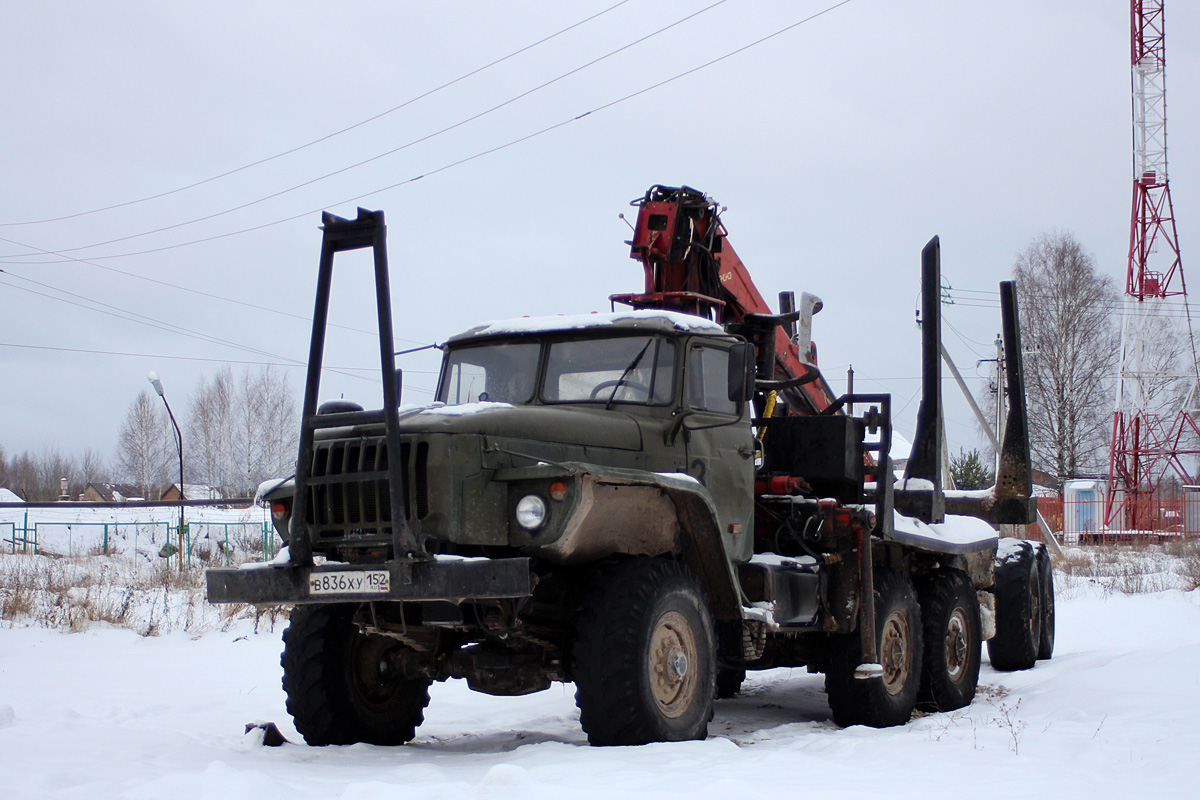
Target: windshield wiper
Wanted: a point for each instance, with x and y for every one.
(620, 381)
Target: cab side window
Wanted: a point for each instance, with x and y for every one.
(708, 380)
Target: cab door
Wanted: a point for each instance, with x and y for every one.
(720, 444)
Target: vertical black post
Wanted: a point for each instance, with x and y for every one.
(885, 479)
(787, 304)
(925, 461)
(1014, 481)
(850, 390)
(403, 543)
(299, 543)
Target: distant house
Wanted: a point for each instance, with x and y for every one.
(9, 496)
(112, 493)
(192, 491)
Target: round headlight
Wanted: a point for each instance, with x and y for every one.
(531, 512)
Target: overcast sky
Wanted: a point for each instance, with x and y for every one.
(839, 148)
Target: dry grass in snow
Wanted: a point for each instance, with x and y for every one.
(74, 594)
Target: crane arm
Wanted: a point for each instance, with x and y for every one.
(690, 267)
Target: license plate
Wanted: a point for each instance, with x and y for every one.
(371, 581)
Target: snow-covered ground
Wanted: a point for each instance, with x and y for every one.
(108, 713)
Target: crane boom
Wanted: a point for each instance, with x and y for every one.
(691, 267)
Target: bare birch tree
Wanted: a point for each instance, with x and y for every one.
(280, 424)
(144, 443)
(1071, 340)
(248, 439)
(242, 430)
(210, 430)
(92, 468)
(1161, 365)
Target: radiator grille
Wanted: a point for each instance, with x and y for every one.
(359, 504)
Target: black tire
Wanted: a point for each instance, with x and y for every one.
(880, 702)
(1018, 616)
(644, 659)
(729, 682)
(1046, 598)
(339, 688)
(953, 643)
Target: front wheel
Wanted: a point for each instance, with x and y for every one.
(344, 686)
(889, 700)
(644, 658)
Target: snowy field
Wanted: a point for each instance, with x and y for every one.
(109, 713)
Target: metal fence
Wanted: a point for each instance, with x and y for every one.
(1079, 516)
(203, 542)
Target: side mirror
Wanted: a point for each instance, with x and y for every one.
(741, 372)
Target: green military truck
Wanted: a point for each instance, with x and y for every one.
(647, 503)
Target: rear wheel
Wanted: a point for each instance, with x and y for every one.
(1046, 598)
(343, 686)
(1018, 611)
(953, 648)
(644, 659)
(889, 700)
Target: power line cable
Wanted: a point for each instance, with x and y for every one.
(327, 136)
(1173, 312)
(479, 154)
(142, 319)
(964, 338)
(200, 292)
(395, 150)
(164, 356)
(119, 315)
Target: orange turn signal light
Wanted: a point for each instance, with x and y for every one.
(558, 490)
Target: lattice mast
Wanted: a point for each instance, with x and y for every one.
(1147, 444)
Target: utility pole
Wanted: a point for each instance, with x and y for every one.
(1001, 397)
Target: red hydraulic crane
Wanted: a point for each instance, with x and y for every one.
(692, 268)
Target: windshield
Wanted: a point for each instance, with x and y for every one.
(627, 369)
(631, 369)
(499, 373)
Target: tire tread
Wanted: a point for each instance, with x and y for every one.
(607, 660)
(316, 646)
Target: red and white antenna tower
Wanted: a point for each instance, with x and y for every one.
(1147, 444)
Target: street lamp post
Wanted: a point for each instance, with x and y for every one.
(152, 376)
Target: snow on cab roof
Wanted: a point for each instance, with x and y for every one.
(653, 320)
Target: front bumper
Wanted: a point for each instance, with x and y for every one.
(454, 581)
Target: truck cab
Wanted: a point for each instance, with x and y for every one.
(553, 438)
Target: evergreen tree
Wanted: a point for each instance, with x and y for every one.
(970, 471)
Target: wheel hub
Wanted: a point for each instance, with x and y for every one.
(894, 653)
(373, 677)
(672, 650)
(679, 664)
(956, 645)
